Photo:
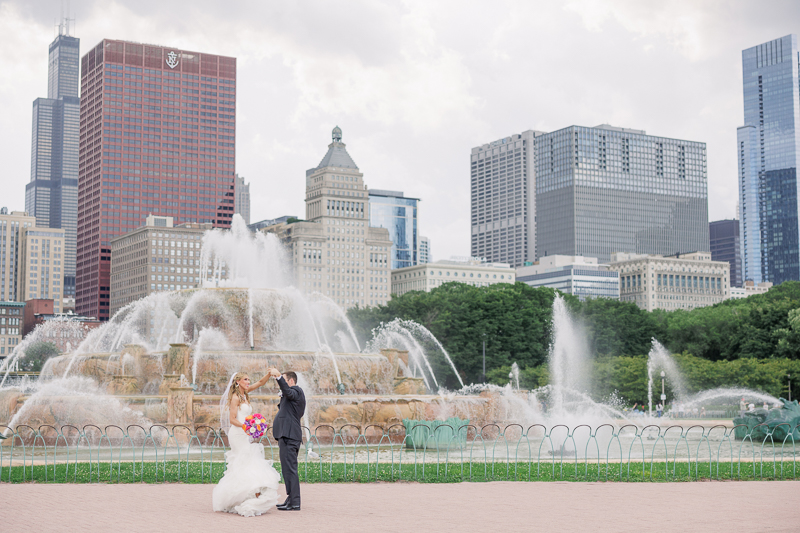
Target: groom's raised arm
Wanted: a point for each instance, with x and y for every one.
(287, 391)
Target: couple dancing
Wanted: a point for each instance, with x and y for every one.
(250, 483)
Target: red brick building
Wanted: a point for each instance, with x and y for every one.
(34, 310)
(69, 331)
(157, 136)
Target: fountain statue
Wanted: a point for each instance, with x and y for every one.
(780, 422)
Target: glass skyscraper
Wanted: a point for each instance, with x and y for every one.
(768, 145)
(51, 196)
(393, 211)
(726, 246)
(606, 189)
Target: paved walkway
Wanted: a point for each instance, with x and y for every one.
(404, 507)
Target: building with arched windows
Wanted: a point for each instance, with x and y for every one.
(682, 281)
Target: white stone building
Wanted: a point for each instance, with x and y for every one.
(42, 257)
(334, 251)
(685, 281)
(429, 276)
(750, 288)
(424, 250)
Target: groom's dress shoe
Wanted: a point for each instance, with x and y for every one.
(284, 504)
(289, 508)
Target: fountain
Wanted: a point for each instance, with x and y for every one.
(513, 376)
(567, 397)
(566, 400)
(167, 357)
(659, 358)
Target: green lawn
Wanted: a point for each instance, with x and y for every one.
(195, 472)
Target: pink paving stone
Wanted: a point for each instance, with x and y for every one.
(407, 507)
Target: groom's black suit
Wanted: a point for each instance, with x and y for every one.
(287, 431)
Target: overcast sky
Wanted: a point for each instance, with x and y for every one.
(415, 85)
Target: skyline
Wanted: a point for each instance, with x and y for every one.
(414, 90)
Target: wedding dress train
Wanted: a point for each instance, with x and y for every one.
(246, 473)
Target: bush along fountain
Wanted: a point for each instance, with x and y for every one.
(168, 357)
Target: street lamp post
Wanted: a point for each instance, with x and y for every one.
(484, 357)
(663, 394)
(789, 378)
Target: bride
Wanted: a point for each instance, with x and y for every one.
(250, 483)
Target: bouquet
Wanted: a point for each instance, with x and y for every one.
(255, 426)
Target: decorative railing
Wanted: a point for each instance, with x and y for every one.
(374, 453)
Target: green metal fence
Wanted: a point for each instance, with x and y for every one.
(375, 453)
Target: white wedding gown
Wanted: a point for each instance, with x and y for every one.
(246, 473)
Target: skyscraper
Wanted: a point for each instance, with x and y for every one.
(52, 193)
(726, 246)
(31, 259)
(768, 146)
(158, 130)
(40, 265)
(335, 251)
(606, 189)
(503, 185)
(242, 205)
(12, 228)
(398, 214)
(424, 250)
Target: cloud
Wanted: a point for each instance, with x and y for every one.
(415, 85)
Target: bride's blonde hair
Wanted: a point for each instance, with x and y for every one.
(235, 389)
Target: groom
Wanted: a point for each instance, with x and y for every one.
(287, 431)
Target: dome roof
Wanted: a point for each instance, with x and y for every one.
(337, 155)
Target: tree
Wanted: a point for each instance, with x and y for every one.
(37, 354)
(514, 318)
(617, 328)
(515, 321)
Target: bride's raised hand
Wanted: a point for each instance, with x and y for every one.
(260, 382)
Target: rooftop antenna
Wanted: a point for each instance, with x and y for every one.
(67, 20)
(64, 20)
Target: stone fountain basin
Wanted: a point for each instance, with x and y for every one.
(322, 410)
(133, 370)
